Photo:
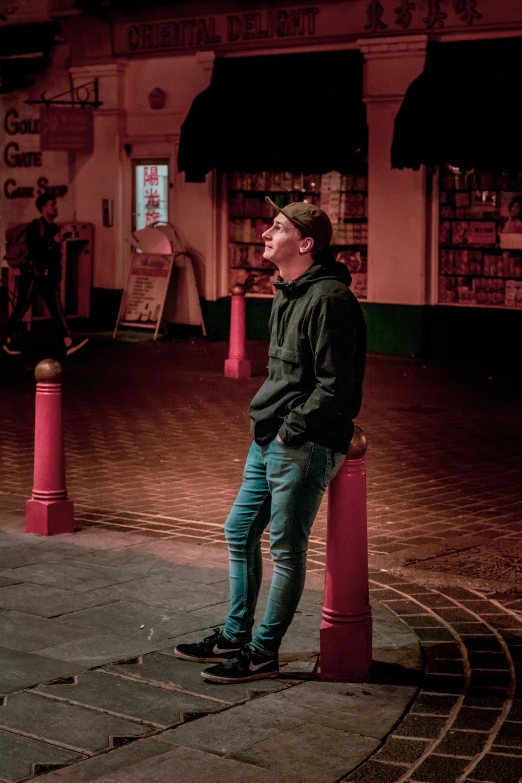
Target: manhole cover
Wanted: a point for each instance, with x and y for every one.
(501, 561)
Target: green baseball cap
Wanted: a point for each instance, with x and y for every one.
(308, 218)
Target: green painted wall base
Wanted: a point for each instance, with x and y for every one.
(405, 330)
(217, 318)
(398, 330)
(474, 333)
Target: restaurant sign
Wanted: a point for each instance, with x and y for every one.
(212, 31)
(325, 22)
(67, 129)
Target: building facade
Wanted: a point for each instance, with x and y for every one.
(431, 239)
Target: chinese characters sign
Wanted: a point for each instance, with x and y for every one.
(152, 194)
(434, 14)
(328, 20)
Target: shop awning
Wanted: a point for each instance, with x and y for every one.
(297, 112)
(464, 109)
(24, 50)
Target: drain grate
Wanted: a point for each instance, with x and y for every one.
(41, 769)
(119, 742)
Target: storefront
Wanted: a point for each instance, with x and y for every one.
(460, 119)
(35, 53)
(203, 114)
(261, 145)
(342, 196)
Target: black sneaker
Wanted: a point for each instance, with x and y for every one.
(11, 347)
(245, 666)
(212, 649)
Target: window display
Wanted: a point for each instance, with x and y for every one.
(343, 196)
(480, 239)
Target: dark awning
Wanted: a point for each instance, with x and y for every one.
(296, 112)
(464, 109)
(24, 50)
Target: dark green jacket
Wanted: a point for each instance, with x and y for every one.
(316, 362)
(45, 253)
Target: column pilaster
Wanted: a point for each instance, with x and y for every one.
(100, 175)
(397, 217)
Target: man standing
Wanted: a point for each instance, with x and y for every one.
(41, 275)
(302, 422)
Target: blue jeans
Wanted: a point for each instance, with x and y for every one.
(282, 486)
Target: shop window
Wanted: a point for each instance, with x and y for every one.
(480, 239)
(343, 196)
(151, 193)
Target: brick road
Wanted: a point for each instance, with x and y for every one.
(155, 441)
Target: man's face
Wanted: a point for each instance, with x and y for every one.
(282, 241)
(514, 210)
(50, 211)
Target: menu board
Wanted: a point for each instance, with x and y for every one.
(144, 295)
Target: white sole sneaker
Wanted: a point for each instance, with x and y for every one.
(247, 678)
(10, 351)
(185, 657)
(76, 347)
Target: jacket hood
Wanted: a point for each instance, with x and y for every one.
(315, 274)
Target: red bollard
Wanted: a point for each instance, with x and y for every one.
(237, 365)
(346, 628)
(49, 512)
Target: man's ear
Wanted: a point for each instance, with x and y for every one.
(307, 245)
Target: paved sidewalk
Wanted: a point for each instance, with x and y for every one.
(92, 690)
(155, 442)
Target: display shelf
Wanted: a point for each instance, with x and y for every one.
(245, 242)
(343, 196)
(287, 192)
(480, 250)
(482, 306)
(479, 277)
(264, 217)
(471, 219)
(488, 248)
(514, 252)
(334, 245)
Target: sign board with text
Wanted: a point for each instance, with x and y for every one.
(66, 129)
(147, 285)
(328, 22)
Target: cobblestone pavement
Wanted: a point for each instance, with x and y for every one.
(90, 688)
(155, 441)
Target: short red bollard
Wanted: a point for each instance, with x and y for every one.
(237, 365)
(49, 512)
(346, 628)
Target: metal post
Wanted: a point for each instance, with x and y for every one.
(49, 512)
(346, 628)
(237, 365)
